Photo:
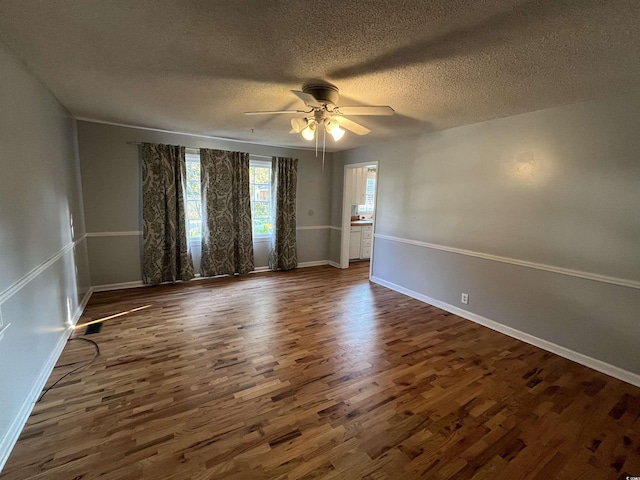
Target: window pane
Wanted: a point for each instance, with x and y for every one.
(193, 168)
(260, 190)
(369, 203)
(194, 210)
(193, 189)
(263, 175)
(371, 186)
(261, 227)
(261, 210)
(262, 193)
(194, 204)
(195, 229)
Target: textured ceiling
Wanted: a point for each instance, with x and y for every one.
(195, 66)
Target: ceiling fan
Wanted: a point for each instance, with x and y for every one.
(323, 112)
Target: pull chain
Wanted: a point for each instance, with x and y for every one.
(324, 142)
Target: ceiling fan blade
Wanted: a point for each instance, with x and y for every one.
(380, 110)
(307, 98)
(275, 112)
(351, 125)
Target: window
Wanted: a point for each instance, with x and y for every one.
(370, 195)
(194, 198)
(260, 191)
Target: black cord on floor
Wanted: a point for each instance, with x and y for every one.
(77, 368)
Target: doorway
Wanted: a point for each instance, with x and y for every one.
(359, 207)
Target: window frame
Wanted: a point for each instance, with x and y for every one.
(254, 162)
(193, 156)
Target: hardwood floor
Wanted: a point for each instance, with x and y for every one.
(316, 373)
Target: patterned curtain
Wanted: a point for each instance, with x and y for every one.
(227, 240)
(166, 255)
(284, 175)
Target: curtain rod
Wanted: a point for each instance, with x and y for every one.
(194, 148)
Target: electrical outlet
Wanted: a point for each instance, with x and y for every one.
(465, 298)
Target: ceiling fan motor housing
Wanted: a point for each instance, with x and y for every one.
(322, 92)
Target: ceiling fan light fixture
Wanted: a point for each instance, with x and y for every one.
(333, 128)
(298, 124)
(323, 115)
(337, 133)
(309, 132)
(330, 124)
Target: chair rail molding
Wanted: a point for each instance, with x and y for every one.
(623, 282)
(17, 286)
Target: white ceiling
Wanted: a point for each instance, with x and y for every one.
(195, 66)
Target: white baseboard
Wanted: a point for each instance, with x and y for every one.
(600, 366)
(334, 264)
(82, 306)
(20, 420)
(117, 286)
(260, 269)
(138, 283)
(317, 263)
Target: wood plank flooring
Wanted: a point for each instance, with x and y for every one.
(316, 373)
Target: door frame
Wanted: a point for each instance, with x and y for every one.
(346, 214)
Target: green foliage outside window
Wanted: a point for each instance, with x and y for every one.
(194, 203)
(260, 191)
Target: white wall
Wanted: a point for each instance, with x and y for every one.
(535, 216)
(43, 258)
(112, 198)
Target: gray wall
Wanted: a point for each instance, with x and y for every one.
(335, 213)
(558, 188)
(43, 259)
(111, 187)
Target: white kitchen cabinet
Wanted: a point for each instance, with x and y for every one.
(359, 186)
(355, 237)
(360, 241)
(365, 241)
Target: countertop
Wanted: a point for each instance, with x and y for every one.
(361, 223)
